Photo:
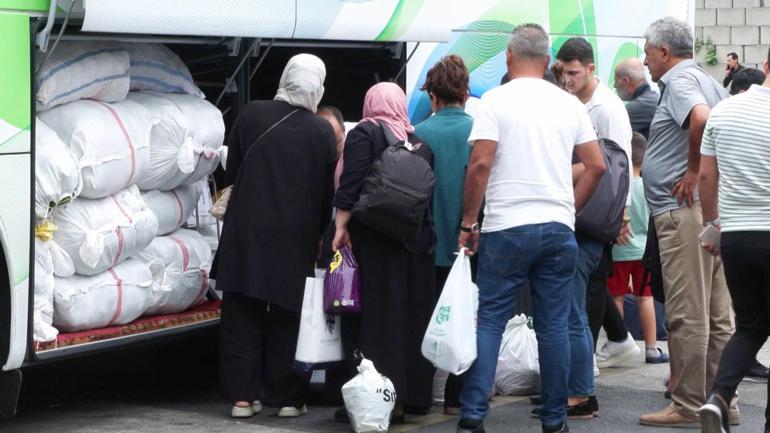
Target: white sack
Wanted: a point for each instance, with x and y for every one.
(57, 172)
(319, 341)
(98, 234)
(154, 67)
(111, 142)
(518, 369)
(450, 340)
(180, 264)
(115, 297)
(172, 208)
(185, 145)
(49, 261)
(369, 399)
(81, 70)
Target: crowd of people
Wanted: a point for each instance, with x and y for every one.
(509, 181)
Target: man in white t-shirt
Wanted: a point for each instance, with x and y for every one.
(610, 120)
(522, 160)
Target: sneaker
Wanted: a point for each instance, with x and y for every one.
(292, 412)
(668, 417)
(563, 428)
(625, 354)
(713, 416)
(470, 426)
(757, 373)
(661, 358)
(242, 411)
(257, 406)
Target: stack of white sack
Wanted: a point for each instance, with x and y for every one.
(99, 234)
(115, 297)
(111, 142)
(57, 172)
(185, 145)
(82, 70)
(180, 265)
(172, 208)
(156, 68)
(49, 261)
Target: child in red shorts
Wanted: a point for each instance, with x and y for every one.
(627, 269)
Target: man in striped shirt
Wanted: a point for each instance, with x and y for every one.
(735, 195)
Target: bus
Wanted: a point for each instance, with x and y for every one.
(235, 51)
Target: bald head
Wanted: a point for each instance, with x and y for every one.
(629, 75)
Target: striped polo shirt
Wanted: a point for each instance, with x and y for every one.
(738, 134)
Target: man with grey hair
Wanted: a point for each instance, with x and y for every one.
(521, 160)
(698, 307)
(631, 85)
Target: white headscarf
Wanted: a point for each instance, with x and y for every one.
(302, 82)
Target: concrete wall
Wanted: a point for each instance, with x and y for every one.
(740, 26)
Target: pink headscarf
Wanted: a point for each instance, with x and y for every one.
(386, 102)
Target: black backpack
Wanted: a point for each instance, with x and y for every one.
(396, 196)
(602, 217)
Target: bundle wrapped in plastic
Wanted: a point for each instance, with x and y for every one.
(156, 68)
(82, 70)
(369, 399)
(99, 234)
(115, 297)
(185, 145)
(518, 368)
(111, 142)
(57, 172)
(180, 265)
(49, 261)
(172, 208)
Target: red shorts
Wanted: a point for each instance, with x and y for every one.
(627, 279)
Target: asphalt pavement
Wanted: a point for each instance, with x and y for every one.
(172, 388)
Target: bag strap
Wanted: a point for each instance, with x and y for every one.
(253, 143)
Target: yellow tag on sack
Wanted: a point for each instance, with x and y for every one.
(44, 231)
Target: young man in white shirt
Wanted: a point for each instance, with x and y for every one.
(610, 120)
(522, 160)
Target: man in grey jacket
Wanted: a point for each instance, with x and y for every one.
(631, 85)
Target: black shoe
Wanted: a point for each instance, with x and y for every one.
(584, 410)
(757, 373)
(563, 428)
(470, 426)
(594, 405)
(713, 416)
(341, 415)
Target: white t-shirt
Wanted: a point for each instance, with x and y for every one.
(536, 126)
(610, 119)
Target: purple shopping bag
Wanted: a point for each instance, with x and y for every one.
(342, 289)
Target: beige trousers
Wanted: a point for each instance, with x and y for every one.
(699, 314)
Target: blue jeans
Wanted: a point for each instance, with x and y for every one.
(581, 374)
(546, 255)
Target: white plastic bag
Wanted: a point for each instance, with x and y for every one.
(518, 369)
(82, 70)
(181, 151)
(114, 297)
(57, 172)
(369, 399)
(154, 67)
(450, 340)
(180, 264)
(110, 141)
(319, 340)
(98, 234)
(172, 208)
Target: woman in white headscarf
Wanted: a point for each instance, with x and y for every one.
(281, 162)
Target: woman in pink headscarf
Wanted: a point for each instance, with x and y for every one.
(397, 283)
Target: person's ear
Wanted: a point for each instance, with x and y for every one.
(665, 53)
(591, 69)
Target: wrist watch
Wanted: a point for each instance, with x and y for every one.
(473, 227)
(714, 222)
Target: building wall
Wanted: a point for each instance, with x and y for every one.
(740, 26)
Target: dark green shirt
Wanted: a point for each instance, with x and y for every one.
(447, 135)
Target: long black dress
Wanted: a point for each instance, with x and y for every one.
(280, 203)
(397, 285)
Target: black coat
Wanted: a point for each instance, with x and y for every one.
(280, 204)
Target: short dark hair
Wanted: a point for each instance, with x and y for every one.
(576, 49)
(547, 76)
(334, 111)
(744, 78)
(733, 56)
(448, 80)
(638, 148)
